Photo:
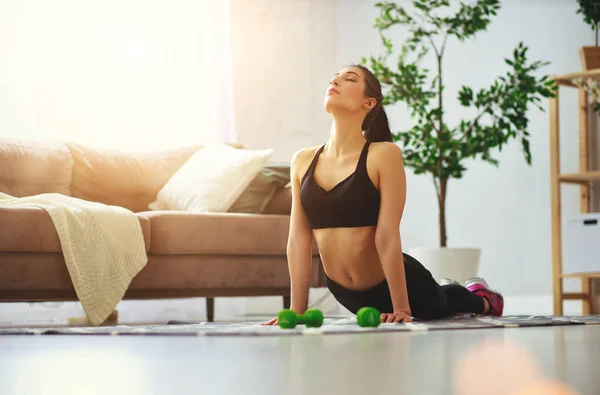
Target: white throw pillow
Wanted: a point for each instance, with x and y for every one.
(211, 180)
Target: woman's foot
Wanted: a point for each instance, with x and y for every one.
(479, 287)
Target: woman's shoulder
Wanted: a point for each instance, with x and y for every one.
(305, 154)
(385, 149)
(383, 155)
(302, 158)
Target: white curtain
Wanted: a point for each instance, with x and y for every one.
(123, 74)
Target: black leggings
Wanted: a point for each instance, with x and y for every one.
(427, 299)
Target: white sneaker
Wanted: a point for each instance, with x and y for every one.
(448, 281)
(476, 280)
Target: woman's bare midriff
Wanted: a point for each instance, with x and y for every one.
(350, 257)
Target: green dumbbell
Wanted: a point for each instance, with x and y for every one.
(368, 317)
(288, 319)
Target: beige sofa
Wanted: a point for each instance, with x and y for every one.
(189, 255)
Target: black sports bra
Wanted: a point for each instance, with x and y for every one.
(353, 202)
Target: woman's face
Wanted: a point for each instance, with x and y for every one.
(346, 91)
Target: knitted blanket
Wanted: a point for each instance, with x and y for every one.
(103, 247)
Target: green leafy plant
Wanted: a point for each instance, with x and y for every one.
(431, 146)
(590, 9)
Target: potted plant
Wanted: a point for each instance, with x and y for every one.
(590, 56)
(433, 147)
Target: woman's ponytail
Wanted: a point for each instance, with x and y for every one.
(377, 126)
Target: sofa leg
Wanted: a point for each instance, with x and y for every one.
(210, 309)
(286, 302)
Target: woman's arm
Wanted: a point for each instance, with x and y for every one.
(300, 239)
(392, 188)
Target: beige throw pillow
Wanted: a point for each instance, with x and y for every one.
(211, 180)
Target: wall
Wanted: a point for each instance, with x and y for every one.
(131, 74)
(283, 58)
(136, 73)
(506, 210)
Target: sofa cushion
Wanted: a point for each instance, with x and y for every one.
(30, 168)
(32, 230)
(272, 178)
(179, 232)
(281, 203)
(126, 179)
(211, 180)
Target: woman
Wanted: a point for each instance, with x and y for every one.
(350, 194)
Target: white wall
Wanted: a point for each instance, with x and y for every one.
(126, 74)
(283, 58)
(506, 210)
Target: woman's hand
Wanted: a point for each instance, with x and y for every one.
(395, 317)
(270, 322)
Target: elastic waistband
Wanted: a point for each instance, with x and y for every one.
(337, 289)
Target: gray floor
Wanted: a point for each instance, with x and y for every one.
(391, 363)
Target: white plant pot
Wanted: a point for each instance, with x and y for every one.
(458, 264)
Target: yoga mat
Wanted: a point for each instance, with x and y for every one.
(330, 326)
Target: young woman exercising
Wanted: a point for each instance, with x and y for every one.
(350, 195)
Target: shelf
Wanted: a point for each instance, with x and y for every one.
(580, 178)
(583, 179)
(574, 296)
(576, 275)
(565, 79)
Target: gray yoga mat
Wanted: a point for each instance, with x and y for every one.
(330, 326)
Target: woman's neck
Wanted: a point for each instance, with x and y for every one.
(346, 136)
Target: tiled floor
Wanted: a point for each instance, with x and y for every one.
(390, 363)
